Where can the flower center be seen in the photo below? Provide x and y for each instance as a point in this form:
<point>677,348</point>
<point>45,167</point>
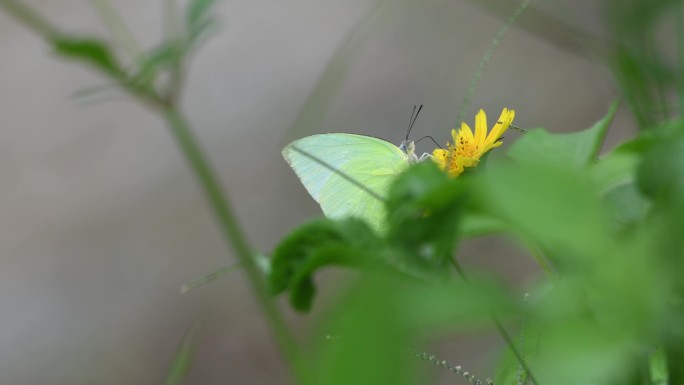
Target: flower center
<point>466,148</point>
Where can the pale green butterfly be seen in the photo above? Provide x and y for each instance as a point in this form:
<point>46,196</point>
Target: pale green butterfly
<point>348,174</point>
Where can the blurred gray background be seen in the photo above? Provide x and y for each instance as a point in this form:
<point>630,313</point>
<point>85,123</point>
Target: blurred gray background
<point>101,221</point>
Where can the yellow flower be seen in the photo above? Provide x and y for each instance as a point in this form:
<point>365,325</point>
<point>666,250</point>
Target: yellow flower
<point>468,147</point>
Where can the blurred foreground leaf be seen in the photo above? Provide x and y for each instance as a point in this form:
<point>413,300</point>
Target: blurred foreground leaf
<point>321,243</point>
<point>382,318</point>
<point>424,210</point>
<point>575,150</point>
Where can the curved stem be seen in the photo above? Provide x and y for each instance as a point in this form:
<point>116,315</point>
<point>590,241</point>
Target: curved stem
<point>29,18</point>
<point>232,231</point>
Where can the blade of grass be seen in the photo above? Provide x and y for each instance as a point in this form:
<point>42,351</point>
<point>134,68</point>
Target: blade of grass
<point>30,19</point>
<point>220,204</point>
<point>467,98</point>
<point>262,262</point>
<point>203,280</point>
<point>183,358</point>
<point>320,99</point>
<point>556,31</point>
<point>120,32</point>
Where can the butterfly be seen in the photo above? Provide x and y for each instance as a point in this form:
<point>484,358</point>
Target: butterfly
<point>349,175</point>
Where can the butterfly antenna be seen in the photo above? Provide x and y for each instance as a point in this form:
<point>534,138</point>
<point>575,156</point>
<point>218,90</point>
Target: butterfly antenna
<point>432,139</point>
<point>408,131</point>
<point>412,121</point>
<point>468,97</point>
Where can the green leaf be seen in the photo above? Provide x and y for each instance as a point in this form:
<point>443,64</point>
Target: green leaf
<point>320,243</point>
<point>574,150</point>
<point>475,224</point>
<point>661,173</point>
<point>92,51</point>
<point>381,318</point>
<point>424,210</point>
<point>619,166</point>
<point>551,205</point>
<point>616,168</point>
<point>184,356</point>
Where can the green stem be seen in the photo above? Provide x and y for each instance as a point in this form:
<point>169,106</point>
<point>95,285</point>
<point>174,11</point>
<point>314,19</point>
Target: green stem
<point>29,18</point>
<point>468,97</point>
<point>217,198</point>
<point>232,231</point>
<point>499,327</point>
<point>542,261</point>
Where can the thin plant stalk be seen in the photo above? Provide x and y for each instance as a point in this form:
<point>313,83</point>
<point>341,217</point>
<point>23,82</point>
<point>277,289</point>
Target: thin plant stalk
<point>217,197</point>
<point>232,230</point>
<point>499,327</point>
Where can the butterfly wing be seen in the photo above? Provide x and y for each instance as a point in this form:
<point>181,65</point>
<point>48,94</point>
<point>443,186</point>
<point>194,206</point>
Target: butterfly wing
<point>347,174</point>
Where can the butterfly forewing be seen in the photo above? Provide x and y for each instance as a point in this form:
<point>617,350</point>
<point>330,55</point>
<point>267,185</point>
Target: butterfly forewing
<point>347,174</point>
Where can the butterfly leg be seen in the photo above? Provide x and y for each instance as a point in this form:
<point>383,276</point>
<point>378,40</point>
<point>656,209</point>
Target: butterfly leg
<point>424,156</point>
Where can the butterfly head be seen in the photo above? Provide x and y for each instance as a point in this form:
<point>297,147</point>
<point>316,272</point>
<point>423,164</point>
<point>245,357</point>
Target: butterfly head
<point>408,147</point>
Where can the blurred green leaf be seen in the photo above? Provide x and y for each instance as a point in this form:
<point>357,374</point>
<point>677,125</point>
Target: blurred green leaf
<point>573,151</point>
<point>349,242</point>
<point>658,366</point>
<point>553,206</point>
<point>184,356</point>
<point>374,338</point>
<point>632,17</point>
<point>92,51</point>
<point>424,211</point>
<point>661,173</point>
<point>626,204</point>
<point>616,168</point>
<point>474,224</point>
<point>382,317</point>
<point>674,351</point>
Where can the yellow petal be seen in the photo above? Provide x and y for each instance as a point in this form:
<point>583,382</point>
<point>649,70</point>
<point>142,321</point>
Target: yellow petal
<point>454,135</point>
<point>439,152</point>
<point>505,120</point>
<point>465,133</point>
<point>439,156</point>
<point>480,128</point>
